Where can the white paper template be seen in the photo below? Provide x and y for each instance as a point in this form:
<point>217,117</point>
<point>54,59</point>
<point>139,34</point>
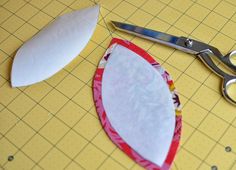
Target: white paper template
<point>53,47</point>
<point>138,104</point>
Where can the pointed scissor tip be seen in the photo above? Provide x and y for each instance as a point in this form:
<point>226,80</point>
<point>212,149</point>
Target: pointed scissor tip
<point>116,24</point>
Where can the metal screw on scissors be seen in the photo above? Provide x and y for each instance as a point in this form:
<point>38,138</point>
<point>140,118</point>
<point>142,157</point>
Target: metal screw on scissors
<point>188,43</point>
<point>204,51</point>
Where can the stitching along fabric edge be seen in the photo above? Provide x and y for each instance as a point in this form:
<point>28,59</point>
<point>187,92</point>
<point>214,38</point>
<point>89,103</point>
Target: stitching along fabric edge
<point>111,132</point>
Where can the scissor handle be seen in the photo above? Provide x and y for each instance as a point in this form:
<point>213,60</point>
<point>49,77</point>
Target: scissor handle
<point>226,83</point>
<point>228,61</point>
<point>225,59</point>
<point>227,79</point>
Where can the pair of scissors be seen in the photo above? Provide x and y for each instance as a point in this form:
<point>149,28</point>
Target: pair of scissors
<point>204,51</point>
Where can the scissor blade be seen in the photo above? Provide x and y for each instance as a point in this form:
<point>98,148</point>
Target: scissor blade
<point>157,36</point>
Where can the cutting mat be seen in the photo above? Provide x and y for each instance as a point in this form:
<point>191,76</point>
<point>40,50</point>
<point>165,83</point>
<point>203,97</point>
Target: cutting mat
<point>54,125</point>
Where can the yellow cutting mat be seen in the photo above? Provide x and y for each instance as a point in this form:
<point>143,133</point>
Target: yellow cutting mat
<point>53,124</point>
